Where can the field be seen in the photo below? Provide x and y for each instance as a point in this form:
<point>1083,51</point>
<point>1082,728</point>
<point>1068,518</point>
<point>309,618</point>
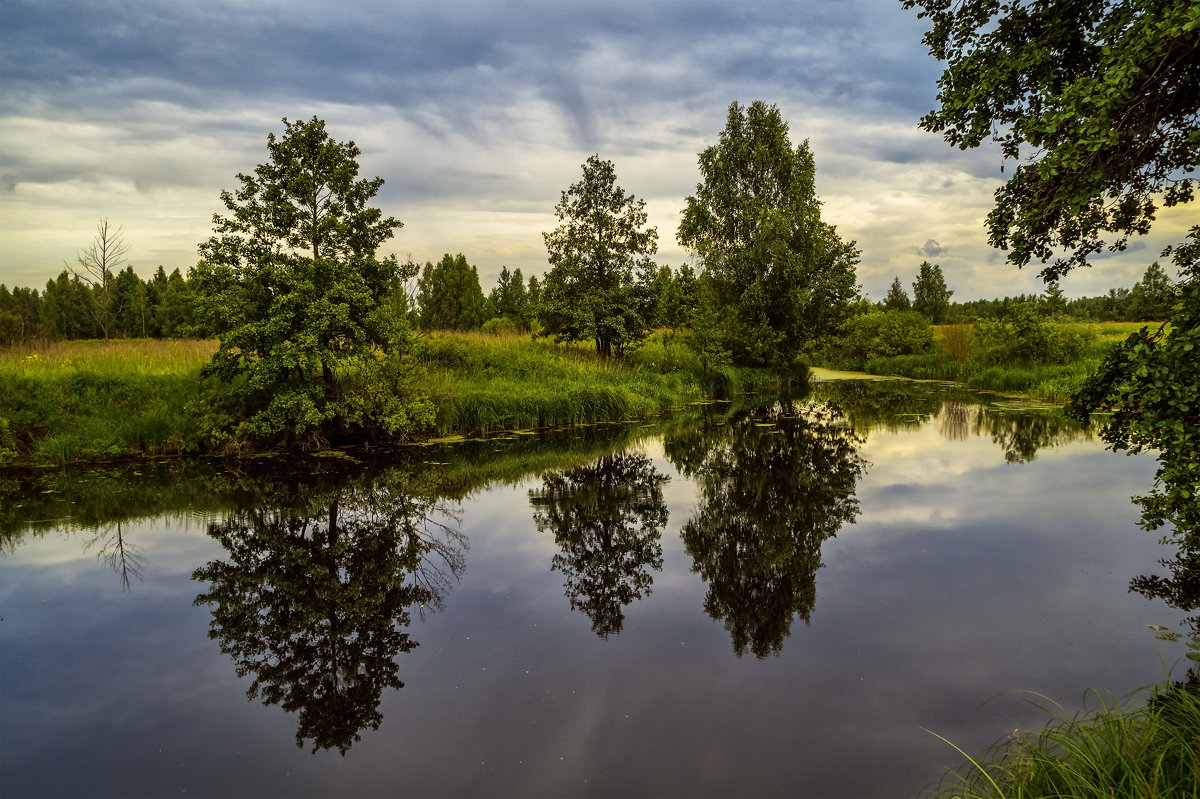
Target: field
<point>91,400</point>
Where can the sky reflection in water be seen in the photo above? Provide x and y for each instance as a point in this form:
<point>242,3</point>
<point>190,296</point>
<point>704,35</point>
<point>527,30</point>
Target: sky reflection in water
<point>729,602</point>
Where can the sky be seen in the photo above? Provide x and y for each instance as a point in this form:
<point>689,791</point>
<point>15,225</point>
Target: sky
<point>478,114</point>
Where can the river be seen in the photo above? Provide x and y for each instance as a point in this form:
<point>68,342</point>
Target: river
<point>751,598</point>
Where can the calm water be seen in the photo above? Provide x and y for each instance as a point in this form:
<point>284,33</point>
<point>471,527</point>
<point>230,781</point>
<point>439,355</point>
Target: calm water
<point>737,600</point>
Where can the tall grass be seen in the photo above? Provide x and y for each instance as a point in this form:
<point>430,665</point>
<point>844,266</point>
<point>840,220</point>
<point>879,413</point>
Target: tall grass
<point>485,382</point>
<point>80,400</point>
<point>117,357</point>
<point>1146,747</point>
<point>88,400</point>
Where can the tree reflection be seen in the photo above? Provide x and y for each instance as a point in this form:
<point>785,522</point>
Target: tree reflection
<point>775,484</point>
<point>120,555</point>
<point>607,518</point>
<point>314,599</point>
<point>1021,435</point>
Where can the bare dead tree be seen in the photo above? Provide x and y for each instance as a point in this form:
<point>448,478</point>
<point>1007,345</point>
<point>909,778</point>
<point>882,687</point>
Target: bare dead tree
<point>97,264</point>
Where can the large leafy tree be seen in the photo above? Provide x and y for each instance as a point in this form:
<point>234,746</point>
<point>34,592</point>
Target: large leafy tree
<point>1096,100</point>
<point>780,274</point>
<point>291,282</point>
<point>590,291</point>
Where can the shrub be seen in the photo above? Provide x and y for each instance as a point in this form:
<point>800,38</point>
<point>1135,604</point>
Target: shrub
<point>886,334</point>
<point>956,341</point>
<point>1024,336</point>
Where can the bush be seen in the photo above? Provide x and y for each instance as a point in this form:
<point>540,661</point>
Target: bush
<point>886,334</point>
<point>956,341</point>
<point>1024,336</point>
<point>500,326</point>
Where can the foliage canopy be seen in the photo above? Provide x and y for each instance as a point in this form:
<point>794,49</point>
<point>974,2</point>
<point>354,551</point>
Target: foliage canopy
<point>1098,101</point>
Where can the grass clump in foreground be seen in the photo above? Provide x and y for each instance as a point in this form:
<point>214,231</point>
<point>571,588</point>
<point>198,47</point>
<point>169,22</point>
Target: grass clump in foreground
<point>1144,749</point>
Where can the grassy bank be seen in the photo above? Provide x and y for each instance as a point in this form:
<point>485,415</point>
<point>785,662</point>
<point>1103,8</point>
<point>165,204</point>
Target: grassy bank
<point>90,400</point>
<point>1147,746</point>
<point>482,383</point>
<point>69,401</point>
<point>1053,371</point>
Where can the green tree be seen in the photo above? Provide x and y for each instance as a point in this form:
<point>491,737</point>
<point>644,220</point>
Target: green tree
<point>449,295</point>
<point>779,274</point>
<point>589,292</point>
<point>510,299</point>
<point>679,299</point>
<point>1053,301</point>
<point>930,295</point>
<point>533,307</point>
<point>66,310</point>
<point>175,315</point>
<point>292,284</point>
<point>1154,296</point>
<point>130,307</point>
<point>896,299</point>
<point>1098,102</point>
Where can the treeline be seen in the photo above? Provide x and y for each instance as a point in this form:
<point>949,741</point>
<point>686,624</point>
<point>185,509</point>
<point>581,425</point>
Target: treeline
<point>1152,299</point>
<point>447,296</point>
<point>450,297</point>
<point>71,308</point>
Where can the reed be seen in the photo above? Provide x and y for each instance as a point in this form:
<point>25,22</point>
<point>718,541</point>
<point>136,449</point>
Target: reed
<point>1147,746</point>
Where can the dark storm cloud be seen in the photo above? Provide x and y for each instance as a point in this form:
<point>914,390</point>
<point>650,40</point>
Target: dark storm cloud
<point>457,55</point>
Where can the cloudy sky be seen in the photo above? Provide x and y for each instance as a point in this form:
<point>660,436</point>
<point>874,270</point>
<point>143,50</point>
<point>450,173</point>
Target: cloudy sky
<point>477,114</point>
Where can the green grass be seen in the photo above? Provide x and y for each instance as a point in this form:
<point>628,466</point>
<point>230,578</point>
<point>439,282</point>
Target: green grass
<point>95,401</point>
<point>1147,746</point>
<point>485,383</point>
<point>92,400</point>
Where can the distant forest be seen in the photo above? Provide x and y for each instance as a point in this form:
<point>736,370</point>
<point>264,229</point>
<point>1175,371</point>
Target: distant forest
<point>448,296</point>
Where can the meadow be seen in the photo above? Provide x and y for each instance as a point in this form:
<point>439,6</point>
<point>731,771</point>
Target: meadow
<point>76,401</point>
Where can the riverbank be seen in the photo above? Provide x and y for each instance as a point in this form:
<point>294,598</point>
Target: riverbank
<point>976,356</point>
<point>89,401</point>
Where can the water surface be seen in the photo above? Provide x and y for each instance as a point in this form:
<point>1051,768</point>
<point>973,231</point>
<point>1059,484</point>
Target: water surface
<point>741,599</point>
